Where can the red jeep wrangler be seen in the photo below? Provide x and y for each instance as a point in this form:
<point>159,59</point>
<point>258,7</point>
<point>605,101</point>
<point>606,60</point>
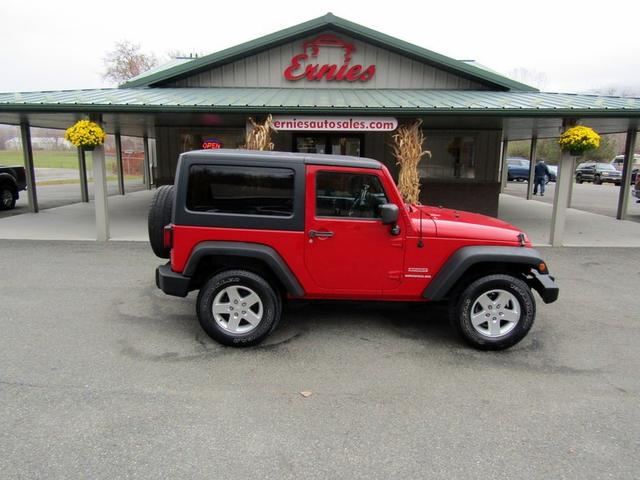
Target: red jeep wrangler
<point>251,229</point>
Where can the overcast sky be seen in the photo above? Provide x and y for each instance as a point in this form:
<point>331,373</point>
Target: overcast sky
<point>52,45</point>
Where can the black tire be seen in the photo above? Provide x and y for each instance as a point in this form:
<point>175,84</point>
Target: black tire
<point>160,216</point>
<point>271,307</point>
<point>461,306</point>
<point>8,196</point>
<point>597,180</point>
<point>579,179</point>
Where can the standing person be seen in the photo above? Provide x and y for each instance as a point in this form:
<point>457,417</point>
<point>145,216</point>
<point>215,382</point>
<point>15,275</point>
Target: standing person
<point>540,176</point>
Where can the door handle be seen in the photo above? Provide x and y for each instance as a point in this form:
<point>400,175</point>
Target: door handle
<point>320,234</point>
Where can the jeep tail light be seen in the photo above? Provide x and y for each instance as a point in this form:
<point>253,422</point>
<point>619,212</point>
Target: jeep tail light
<point>168,236</point>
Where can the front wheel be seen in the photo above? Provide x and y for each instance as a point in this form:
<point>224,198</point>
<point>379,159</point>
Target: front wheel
<point>597,180</point>
<point>579,179</point>
<point>238,308</point>
<point>8,197</point>
<point>494,312</point>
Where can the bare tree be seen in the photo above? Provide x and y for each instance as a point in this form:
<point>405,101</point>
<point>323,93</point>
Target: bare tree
<point>126,61</point>
<point>530,77</point>
<point>617,90</point>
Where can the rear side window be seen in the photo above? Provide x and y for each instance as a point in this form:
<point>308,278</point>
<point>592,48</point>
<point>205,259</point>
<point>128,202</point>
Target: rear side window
<point>354,195</point>
<point>240,190</point>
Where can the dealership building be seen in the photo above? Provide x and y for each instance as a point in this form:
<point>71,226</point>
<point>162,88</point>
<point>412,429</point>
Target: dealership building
<point>333,86</point>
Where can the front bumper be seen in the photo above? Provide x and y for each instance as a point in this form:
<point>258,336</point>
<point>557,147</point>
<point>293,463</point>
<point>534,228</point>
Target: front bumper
<point>545,285</point>
<point>611,179</point>
<point>170,282</point>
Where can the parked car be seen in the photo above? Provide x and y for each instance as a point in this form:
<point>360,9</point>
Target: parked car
<point>517,169</point>
<point>618,162</point>
<point>598,173</point>
<point>12,181</point>
<point>251,230</point>
<point>553,173</point>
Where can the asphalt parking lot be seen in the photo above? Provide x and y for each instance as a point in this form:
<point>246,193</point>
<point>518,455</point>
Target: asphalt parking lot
<point>102,376</point>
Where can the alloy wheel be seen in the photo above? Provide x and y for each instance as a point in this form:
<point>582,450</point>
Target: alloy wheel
<point>495,313</point>
<point>237,309</point>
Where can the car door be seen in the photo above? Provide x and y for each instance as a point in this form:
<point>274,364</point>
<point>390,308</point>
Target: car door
<point>348,251</point>
<point>590,171</point>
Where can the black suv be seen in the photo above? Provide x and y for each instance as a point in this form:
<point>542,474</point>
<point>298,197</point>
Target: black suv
<point>12,181</point>
<point>598,173</point>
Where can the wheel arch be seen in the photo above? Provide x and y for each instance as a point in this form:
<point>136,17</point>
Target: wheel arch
<point>210,257</point>
<point>472,262</point>
<point>8,179</point>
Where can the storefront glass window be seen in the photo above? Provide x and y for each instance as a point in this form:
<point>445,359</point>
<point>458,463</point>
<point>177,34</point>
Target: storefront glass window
<point>334,144</point>
<point>452,156</point>
<point>211,140</point>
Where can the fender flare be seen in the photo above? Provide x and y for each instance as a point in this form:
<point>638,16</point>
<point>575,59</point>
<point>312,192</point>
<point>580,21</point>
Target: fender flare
<point>466,257</point>
<point>248,250</point>
<point>6,177</point>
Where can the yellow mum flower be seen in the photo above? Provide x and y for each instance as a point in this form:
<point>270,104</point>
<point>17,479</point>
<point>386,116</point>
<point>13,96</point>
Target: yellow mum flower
<point>85,133</point>
<point>579,139</point>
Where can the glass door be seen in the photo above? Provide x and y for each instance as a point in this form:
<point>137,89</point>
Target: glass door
<point>335,144</point>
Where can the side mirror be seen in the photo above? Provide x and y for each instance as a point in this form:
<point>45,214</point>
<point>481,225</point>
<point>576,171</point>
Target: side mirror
<point>389,213</point>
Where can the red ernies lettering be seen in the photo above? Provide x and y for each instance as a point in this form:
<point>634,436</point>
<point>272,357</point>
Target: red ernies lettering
<point>299,69</point>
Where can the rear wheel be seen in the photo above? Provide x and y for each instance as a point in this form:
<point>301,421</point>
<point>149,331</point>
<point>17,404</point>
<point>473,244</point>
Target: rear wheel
<point>8,197</point>
<point>579,178</point>
<point>494,312</point>
<point>597,180</point>
<point>159,217</point>
<point>238,308</point>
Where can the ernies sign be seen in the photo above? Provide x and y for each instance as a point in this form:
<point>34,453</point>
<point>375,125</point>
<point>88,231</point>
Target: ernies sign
<point>335,124</point>
<point>300,67</point>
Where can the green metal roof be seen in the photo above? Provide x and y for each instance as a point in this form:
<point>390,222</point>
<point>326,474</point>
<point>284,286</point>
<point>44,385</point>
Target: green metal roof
<point>160,68</point>
<point>329,21</point>
<point>321,100</point>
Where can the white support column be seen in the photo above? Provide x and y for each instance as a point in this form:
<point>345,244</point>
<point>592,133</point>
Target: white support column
<point>573,180</point>
<point>532,165</point>
<point>101,205</point>
<point>119,169</point>
<point>561,199</point>
<point>504,175</point>
<point>623,198</point>
<point>30,172</point>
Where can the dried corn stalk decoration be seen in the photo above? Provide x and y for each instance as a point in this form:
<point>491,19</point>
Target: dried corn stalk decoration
<point>407,148</point>
<point>259,137</point>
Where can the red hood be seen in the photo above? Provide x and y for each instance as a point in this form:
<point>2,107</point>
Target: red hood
<point>460,224</point>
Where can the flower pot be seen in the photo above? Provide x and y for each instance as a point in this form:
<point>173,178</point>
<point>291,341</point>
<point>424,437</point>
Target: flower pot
<point>88,148</point>
<point>575,153</point>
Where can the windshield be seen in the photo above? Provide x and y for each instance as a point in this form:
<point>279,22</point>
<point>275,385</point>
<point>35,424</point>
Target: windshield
<point>606,166</point>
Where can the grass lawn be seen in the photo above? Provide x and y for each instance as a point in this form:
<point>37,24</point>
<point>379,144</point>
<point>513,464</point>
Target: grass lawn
<point>71,181</point>
<point>44,158</point>
<point>50,159</point>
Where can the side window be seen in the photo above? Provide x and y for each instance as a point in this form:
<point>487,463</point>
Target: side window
<point>353,195</point>
<point>240,190</point>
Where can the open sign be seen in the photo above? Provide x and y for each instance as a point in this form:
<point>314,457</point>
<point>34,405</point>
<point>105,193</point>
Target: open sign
<point>211,144</point>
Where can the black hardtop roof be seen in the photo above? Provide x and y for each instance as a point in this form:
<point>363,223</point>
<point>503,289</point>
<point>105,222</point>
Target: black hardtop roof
<point>267,156</point>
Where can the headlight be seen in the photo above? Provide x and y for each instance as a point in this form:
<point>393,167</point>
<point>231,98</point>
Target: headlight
<point>605,174</point>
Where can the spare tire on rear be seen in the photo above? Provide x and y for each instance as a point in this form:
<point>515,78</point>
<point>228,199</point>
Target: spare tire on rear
<point>159,217</point>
